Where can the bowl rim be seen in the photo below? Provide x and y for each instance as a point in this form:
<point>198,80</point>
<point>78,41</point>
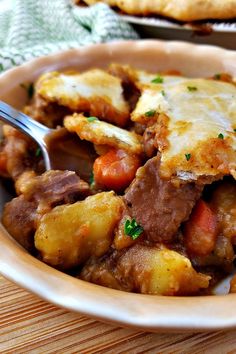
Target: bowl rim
<point>147,312</point>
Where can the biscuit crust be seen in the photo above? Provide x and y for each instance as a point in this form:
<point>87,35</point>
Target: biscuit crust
<point>182,10</point>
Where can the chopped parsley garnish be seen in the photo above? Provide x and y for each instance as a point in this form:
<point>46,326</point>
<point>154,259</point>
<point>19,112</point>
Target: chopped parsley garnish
<point>192,88</point>
<point>221,136</point>
<point>1,67</point>
<point>132,229</point>
<point>150,113</point>
<point>163,93</point>
<point>91,179</point>
<point>217,76</point>
<point>29,88</point>
<point>91,119</point>
<point>38,152</point>
<point>158,80</point>
<point>188,157</point>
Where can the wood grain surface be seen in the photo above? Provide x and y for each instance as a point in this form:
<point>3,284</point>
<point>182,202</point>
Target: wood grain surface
<point>30,325</point>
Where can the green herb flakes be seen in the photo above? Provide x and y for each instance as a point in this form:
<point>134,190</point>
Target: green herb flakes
<point>29,89</point>
<point>91,119</point>
<point>221,136</point>
<point>132,229</point>
<point>158,80</point>
<point>150,113</point>
<point>188,157</point>
<point>163,93</point>
<point>217,76</point>
<point>91,179</point>
<point>192,88</point>
<point>38,152</point>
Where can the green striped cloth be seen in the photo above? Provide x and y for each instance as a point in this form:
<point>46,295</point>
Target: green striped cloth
<point>32,28</point>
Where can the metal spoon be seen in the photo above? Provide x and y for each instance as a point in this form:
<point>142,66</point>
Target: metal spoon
<point>70,153</point>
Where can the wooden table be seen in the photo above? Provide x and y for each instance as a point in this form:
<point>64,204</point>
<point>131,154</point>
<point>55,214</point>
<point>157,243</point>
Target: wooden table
<point>30,325</point>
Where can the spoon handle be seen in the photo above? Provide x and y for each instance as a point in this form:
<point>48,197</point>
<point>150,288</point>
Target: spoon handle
<point>27,125</point>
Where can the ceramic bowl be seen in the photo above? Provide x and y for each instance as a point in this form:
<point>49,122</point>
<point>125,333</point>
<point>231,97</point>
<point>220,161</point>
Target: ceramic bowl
<point>147,312</point>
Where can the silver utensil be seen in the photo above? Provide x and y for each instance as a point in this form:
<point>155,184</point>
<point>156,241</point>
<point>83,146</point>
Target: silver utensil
<point>61,150</point>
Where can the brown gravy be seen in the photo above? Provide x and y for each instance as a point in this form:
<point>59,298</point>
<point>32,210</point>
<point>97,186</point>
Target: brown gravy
<point>68,152</point>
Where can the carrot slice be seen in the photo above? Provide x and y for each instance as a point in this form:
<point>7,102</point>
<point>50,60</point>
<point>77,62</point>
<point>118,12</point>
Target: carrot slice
<point>200,231</point>
<point>116,169</point>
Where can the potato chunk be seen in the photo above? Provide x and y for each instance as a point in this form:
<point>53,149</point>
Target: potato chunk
<point>69,234</point>
<point>163,271</point>
<point>147,270</point>
<point>102,133</point>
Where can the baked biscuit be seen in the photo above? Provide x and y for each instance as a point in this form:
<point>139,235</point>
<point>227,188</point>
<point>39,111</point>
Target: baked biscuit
<point>182,10</point>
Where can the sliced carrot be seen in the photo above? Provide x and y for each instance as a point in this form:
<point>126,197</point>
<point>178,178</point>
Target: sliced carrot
<point>116,169</point>
<point>200,231</point>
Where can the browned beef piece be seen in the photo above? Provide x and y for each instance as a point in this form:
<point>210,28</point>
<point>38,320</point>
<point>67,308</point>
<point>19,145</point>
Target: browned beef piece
<point>154,137</point>
<point>17,149</point>
<point>48,113</point>
<point>18,218</point>
<point>105,271</point>
<point>130,90</point>
<point>39,195</point>
<point>149,145</point>
<point>54,188</point>
<point>159,205</point>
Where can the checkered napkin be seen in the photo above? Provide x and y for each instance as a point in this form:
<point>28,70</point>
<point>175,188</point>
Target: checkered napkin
<point>32,28</point>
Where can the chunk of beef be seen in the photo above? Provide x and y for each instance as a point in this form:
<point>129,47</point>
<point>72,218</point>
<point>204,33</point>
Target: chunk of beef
<point>39,194</point>
<point>50,114</point>
<point>18,218</point>
<point>53,188</point>
<point>16,149</point>
<point>128,79</point>
<point>103,271</point>
<point>159,205</point>
<point>149,145</point>
<point>154,137</point>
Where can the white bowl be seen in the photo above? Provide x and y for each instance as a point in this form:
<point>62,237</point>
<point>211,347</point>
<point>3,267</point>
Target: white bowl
<point>146,312</point>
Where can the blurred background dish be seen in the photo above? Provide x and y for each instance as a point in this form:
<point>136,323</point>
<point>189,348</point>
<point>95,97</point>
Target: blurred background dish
<point>187,23</point>
<point>182,10</point>
<point>205,32</point>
